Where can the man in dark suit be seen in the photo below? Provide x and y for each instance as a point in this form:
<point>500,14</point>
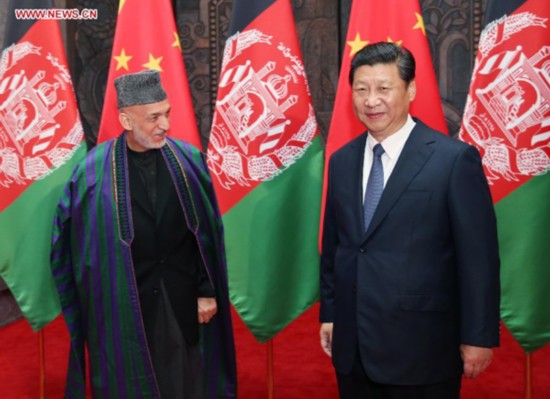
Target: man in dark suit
<point>410,267</point>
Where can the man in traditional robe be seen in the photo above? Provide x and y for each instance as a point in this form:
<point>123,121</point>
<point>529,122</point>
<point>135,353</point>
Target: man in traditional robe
<point>138,259</point>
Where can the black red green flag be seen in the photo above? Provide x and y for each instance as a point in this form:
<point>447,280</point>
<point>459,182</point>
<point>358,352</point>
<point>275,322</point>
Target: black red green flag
<point>41,139</point>
<point>265,159</point>
<point>507,117</point>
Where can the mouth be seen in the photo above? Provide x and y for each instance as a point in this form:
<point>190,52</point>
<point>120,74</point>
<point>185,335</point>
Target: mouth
<point>374,115</point>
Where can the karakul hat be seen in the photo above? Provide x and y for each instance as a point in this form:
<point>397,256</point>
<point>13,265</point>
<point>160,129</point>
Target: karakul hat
<point>139,88</point>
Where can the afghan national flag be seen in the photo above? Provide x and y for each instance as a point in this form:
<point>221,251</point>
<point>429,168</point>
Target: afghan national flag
<point>146,38</point>
<point>41,139</point>
<point>507,117</point>
<point>265,158</point>
<point>395,21</point>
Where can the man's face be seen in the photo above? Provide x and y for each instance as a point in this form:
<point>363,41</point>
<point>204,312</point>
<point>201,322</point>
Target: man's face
<point>381,99</point>
<point>147,125</point>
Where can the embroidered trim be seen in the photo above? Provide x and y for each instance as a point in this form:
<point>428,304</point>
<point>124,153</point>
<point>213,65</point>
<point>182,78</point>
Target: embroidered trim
<point>182,183</point>
<point>120,191</point>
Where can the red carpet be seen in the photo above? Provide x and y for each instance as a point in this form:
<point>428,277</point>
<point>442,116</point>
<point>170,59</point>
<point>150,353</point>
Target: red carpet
<point>301,369</point>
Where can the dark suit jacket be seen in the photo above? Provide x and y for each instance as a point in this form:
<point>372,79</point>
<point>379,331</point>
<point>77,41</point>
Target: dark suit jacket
<point>424,278</point>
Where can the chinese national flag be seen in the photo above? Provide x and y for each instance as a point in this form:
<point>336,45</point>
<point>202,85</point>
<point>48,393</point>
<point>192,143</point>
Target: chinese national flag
<point>146,38</point>
<point>374,21</point>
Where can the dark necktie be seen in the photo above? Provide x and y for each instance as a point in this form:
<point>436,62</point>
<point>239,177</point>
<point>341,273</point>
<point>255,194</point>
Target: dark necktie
<point>375,185</point>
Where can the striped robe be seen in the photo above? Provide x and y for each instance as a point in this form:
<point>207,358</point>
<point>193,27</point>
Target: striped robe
<point>92,266</point>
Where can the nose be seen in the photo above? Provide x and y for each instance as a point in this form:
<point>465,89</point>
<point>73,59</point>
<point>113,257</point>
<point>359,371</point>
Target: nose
<point>372,99</point>
<point>164,123</point>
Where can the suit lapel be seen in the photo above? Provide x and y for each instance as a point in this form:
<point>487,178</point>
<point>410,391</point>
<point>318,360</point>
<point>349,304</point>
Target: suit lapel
<point>355,176</point>
<point>414,156</point>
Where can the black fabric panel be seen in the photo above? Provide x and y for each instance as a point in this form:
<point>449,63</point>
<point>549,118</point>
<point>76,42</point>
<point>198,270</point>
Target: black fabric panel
<point>499,8</point>
<point>16,28</point>
<point>246,11</point>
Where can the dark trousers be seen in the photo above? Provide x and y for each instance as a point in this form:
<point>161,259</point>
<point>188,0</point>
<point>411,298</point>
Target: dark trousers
<point>357,385</point>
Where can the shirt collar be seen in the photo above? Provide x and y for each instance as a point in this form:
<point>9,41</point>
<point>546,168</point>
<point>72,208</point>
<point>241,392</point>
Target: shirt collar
<point>395,142</point>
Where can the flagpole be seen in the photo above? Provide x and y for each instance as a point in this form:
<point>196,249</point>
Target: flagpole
<point>270,378</point>
<point>42,364</point>
<point>528,376</point>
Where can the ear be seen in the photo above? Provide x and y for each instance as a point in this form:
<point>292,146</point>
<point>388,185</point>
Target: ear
<point>411,90</point>
<point>125,120</point>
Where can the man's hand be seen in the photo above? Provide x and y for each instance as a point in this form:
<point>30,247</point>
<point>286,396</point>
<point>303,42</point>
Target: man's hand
<point>476,359</point>
<point>207,309</point>
<point>326,338</point>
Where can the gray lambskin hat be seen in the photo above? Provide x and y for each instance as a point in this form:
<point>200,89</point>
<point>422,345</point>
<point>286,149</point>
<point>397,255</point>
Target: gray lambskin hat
<point>139,88</point>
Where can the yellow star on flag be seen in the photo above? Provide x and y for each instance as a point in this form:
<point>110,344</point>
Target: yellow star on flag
<point>176,41</point>
<point>420,23</point>
<point>153,63</point>
<point>122,60</point>
<point>356,44</point>
<point>398,42</point>
<point>120,5</point>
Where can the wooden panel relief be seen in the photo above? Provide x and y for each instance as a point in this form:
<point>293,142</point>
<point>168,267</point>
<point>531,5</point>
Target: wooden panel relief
<point>3,16</point>
<point>194,31</point>
<point>453,28</point>
<point>318,33</point>
<point>92,45</point>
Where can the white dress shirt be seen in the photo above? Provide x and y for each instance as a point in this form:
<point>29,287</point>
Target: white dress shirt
<point>393,145</point>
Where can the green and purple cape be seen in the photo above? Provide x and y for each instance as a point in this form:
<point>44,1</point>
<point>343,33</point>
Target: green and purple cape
<point>94,274</point>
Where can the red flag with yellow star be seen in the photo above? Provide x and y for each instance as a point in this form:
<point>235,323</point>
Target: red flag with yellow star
<point>146,38</point>
<point>374,21</point>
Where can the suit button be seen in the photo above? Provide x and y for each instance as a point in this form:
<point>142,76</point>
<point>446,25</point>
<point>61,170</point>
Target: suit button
<point>354,289</point>
<point>362,250</point>
<point>161,261</point>
<point>155,291</point>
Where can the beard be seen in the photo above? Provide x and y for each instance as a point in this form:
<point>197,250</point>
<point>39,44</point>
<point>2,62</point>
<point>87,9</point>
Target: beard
<point>147,142</point>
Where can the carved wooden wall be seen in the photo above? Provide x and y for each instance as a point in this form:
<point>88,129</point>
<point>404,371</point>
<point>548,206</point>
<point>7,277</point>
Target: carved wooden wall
<point>452,25</point>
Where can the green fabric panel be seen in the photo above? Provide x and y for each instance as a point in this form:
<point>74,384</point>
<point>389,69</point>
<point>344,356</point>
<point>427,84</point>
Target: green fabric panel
<point>524,229</point>
<point>25,237</point>
<point>272,247</point>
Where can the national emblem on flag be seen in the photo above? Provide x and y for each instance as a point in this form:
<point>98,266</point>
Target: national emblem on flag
<point>507,117</point>
<point>41,139</point>
<point>260,127</point>
<point>265,159</point>
<point>39,128</point>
